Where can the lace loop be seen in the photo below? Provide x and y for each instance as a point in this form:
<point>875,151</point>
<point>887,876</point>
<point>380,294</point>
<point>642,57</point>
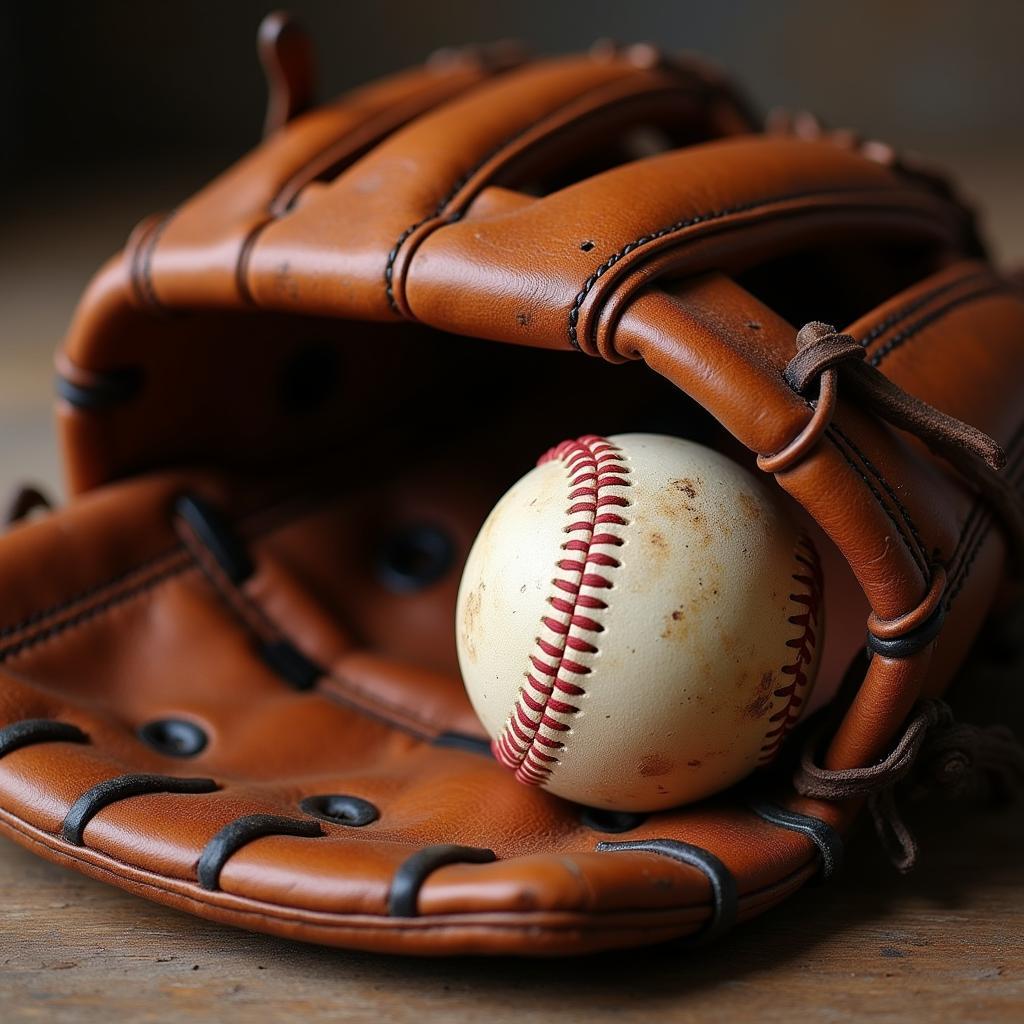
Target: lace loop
<point>936,754</point>
<point>822,352</point>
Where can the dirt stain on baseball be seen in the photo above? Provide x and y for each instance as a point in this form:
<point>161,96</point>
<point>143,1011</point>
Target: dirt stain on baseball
<point>684,502</point>
<point>469,619</point>
<point>655,765</point>
<point>676,625</point>
<point>689,488</point>
<point>658,540</point>
<point>762,702</point>
<point>750,505</point>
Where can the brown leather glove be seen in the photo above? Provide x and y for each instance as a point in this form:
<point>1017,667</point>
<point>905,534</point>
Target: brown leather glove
<point>228,675</point>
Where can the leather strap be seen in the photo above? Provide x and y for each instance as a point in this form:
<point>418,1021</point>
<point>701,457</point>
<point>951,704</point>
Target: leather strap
<point>232,837</point>
<point>89,804</point>
<point>724,898</point>
<point>30,731</point>
<point>409,878</point>
<point>828,841</point>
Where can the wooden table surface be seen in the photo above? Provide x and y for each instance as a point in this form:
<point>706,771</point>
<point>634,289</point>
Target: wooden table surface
<point>944,944</point>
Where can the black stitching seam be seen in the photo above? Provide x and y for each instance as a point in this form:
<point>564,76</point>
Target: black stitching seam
<point>213,572</point>
<point>690,91</point>
<point>974,521</point>
<point>987,521</point>
<point>91,612</point>
<point>700,218</point>
<point>188,564</point>
<point>84,595</point>
<point>921,301</point>
<point>381,710</point>
<point>917,550</point>
<point>884,351</point>
<point>254,522</point>
<point>979,523</point>
<point>974,517</point>
<point>905,335</point>
<point>971,552</point>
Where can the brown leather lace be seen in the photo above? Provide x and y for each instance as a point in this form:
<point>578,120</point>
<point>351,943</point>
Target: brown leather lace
<point>823,351</point>
<point>935,754</point>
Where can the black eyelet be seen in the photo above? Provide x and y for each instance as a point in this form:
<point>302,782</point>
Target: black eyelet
<point>611,821</point>
<point>174,737</point>
<point>414,557</point>
<point>309,379</point>
<point>340,809</point>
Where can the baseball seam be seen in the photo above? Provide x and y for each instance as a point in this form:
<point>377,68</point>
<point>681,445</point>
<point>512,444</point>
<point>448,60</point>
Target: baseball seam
<point>533,735</point>
<point>793,694</point>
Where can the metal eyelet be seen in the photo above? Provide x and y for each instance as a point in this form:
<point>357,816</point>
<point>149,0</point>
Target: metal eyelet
<point>340,809</point>
<point>174,737</point>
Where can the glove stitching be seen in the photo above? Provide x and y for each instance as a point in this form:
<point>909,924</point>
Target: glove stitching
<point>693,221</point>
<point>84,595</point>
<point>922,549</point>
<point>905,335</point>
<point>834,435</point>
<point>263,629</point>
<point>91,612</point>
<point>876,358</point>
<point>975,520</point>
<point>986,522</point>
<point>921,302</point>
<point>689,91</point>
<point>356,697</point>
<point>273,518</point>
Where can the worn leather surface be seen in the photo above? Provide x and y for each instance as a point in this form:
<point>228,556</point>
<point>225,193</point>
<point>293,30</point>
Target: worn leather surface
<point>346,348</point>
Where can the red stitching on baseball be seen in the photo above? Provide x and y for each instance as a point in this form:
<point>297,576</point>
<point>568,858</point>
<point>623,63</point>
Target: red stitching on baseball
<point>803,644</point>
<point>593,465</point>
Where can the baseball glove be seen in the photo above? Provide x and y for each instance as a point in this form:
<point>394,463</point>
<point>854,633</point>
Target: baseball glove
<point>229,680</point>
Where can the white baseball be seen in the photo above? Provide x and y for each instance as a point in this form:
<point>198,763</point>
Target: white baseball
<point>639,622</point>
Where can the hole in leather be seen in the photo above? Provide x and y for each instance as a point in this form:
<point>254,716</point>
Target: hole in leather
<point>340,809</point>
<point>586,246</point>
<point>309,379</point>
<point>611,821</point>
<point>174,737</point>
<point>414,557</point>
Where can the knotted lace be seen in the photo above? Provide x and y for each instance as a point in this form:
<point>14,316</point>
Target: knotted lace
<point>822,351</point>
<point>935,755</point>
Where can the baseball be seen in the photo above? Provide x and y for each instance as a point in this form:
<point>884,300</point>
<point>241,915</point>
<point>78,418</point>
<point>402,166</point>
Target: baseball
<point>639,622</point>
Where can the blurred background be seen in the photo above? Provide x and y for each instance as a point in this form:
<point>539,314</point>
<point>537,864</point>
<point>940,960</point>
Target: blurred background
<point>111,109</point>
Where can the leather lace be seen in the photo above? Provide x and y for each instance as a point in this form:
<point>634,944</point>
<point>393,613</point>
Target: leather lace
<point>935,755</point>
<point>822,350</point>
